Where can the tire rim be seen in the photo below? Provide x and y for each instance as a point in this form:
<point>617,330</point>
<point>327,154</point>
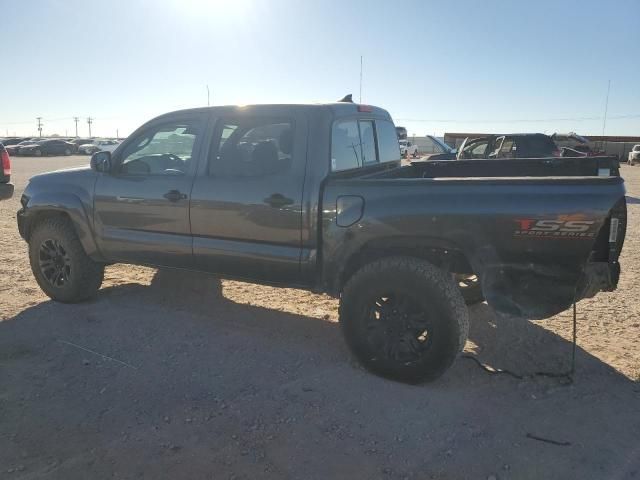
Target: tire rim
<point>398,328</point>
<point>54,262</point>
<point>466,281</point>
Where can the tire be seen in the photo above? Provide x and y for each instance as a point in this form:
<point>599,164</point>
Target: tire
<point>404,319</point>
<point>470,288</point>
<point>37,152</point>
<point>67,152</point>
<point>60,265</point>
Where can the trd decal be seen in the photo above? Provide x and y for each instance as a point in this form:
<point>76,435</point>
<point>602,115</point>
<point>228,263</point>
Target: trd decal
<point>561,228</point>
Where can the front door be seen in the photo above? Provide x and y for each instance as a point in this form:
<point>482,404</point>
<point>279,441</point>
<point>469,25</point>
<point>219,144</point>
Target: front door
<point>142,206</point>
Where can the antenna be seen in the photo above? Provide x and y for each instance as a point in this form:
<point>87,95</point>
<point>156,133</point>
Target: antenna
<point>39,125</point>
<point>360,79</point>
<point>606,107</point>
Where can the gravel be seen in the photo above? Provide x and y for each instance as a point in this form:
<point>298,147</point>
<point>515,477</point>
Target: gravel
<point>202,378</point>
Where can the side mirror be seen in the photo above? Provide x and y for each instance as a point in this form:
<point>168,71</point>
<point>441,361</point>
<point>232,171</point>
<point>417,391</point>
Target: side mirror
<point>101,162</point>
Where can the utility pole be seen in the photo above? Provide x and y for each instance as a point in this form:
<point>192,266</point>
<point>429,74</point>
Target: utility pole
<point>208,104</point>
<point>75,119</point>
<point>39,125</point>
<point>89,121</point>
<point>117,135</point>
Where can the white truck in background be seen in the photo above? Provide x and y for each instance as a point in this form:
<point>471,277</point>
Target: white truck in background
<point>634,155</point>
<point>406,147</point>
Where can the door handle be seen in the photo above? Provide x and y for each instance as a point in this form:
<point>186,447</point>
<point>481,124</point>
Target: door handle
<point>174,195</point>
<point>130,199</point>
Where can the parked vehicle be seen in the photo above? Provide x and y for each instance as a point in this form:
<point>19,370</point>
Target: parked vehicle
<point>98,145</point>
<point>14,149</point>
<point>517,145</point>
<point>441,151</point>
<point>46,147</point>
<point>315,197</point>
<point>6,187</point>
<point>571,140</point>
<point>13,141</point>
<point>408,149</point>
<point>634,155</point>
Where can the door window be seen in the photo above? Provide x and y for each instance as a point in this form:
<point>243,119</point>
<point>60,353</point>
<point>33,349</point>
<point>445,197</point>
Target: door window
<point>368,142</point>
<point>163,150</point>
<point>345,146</point>
<point>252,147</point>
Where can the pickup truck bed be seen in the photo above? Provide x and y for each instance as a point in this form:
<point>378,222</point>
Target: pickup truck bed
<point>530,239</point>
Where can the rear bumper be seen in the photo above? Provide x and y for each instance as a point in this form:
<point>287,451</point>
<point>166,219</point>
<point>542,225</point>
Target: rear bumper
<point>6,191</point>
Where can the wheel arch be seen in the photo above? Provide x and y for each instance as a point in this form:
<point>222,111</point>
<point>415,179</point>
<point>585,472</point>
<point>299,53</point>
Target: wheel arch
<point>66,205</point>
<point>442,253</point>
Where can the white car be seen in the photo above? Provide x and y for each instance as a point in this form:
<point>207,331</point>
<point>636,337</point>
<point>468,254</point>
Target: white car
<point>98,146</point>
<point>634,155</point>
<point>407,148</point>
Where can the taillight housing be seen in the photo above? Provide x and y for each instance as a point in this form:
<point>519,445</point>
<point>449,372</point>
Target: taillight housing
<point>6,163</point>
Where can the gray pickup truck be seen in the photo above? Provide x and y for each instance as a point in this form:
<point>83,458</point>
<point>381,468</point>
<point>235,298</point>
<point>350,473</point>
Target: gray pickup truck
<point>316,197</point>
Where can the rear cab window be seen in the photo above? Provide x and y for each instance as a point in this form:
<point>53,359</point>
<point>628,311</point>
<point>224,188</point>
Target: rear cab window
<point>360,142</point>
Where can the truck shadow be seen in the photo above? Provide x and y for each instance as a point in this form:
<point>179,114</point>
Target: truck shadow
<point>175,365</point>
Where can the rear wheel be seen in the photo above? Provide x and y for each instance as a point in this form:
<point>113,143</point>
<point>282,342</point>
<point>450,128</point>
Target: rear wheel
<point>59,263</point>
<point>37,152</point>
<point>404,319</point>
<point>67,152</point>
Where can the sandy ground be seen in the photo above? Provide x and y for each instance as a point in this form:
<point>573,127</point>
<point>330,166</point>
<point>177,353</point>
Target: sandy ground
<point>178,375</point>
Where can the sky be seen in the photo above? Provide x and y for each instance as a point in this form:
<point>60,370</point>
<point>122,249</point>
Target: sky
<point>494,66</point>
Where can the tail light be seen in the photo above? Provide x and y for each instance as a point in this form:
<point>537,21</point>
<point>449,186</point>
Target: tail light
<point>6,163</point>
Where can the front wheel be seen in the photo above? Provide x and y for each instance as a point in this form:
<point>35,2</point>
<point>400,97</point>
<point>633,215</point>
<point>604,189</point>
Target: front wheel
<point>60,265</point>
<point>404,319</point>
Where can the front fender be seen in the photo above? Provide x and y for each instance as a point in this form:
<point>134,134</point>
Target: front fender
<point>45,203</point>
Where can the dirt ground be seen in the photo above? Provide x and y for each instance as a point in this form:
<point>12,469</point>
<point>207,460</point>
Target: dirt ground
<point>173,375</point>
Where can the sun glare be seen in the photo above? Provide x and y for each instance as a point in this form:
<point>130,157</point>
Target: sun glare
<point>226,9</point>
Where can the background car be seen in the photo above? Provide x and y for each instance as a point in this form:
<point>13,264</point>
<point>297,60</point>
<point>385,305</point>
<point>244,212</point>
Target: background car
<point>14,149</point>
<point>98,146</point>
<point>13,140</point>
<point>516,145</point>
<point>46,147</point>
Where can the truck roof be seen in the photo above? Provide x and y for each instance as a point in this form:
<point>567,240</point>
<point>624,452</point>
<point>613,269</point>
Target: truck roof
<point>336,108</point>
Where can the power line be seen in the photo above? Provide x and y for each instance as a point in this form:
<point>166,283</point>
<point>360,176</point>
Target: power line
<point>521,120</point>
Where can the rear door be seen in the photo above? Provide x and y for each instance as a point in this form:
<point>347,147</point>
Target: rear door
<point>142,207</point>
<point>246,205</point>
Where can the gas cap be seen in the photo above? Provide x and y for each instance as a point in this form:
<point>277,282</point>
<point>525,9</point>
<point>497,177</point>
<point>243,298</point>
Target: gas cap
<point>349,210</point>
